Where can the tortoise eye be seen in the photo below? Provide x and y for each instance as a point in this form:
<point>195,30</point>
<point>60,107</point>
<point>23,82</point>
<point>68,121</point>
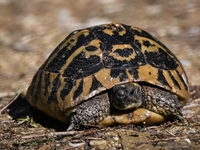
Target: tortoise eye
<point>121,93</point>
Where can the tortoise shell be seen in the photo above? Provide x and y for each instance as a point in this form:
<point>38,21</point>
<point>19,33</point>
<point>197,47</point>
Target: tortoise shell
<point>95,59</point>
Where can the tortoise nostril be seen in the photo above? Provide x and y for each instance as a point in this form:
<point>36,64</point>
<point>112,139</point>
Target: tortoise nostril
<point>132,92</point>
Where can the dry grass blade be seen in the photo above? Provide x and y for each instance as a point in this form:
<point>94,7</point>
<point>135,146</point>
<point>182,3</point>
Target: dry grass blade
<point>76,145</point>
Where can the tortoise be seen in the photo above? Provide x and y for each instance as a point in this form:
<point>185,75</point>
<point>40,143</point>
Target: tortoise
<point>110,74</point>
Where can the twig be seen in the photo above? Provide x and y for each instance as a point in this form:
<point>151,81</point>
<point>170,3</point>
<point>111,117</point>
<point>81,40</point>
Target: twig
<point>54,134</point>
<point>93,138</point>
<point>170,133</point>
<point>122,147</point>
<point>181,131</point>
<point>152,127</point>
<point>84,133</point>
<point>77,144</point>
<point>171,123</point>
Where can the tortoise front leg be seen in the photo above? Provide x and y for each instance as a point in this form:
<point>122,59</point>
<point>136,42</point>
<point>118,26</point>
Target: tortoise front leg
<point>91,111</point>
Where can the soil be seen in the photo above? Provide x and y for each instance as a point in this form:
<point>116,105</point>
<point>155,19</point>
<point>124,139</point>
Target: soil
<point>29,32</point>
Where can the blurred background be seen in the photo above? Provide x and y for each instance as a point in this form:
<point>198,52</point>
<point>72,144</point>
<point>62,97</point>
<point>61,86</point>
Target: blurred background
<point>31,29</point>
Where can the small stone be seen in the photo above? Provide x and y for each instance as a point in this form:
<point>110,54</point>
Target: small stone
<point>112,142</point>
<point>188,141</point>
<point>99,144</point>
<point>181,144</point>
<point>116,138</point>
<point>116,145</point>
<point>191,131</point>
<point>108,134</point>
<point>100,133</point>
<point>152,131</point>
<point>123,130</point>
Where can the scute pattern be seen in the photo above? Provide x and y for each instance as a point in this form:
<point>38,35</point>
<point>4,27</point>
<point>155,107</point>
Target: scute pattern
<point>69,83</point>
<point>174,80</point>
<point>156,60</point>
<point>55,85</point>
<point>183,78</point>
<point>78,68</point>
<point>95,84</point>
<point>94,59</point>
<point>161,78</point>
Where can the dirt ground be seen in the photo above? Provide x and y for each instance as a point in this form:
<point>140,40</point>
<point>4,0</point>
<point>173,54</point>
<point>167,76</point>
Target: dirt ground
<point>29,32</point>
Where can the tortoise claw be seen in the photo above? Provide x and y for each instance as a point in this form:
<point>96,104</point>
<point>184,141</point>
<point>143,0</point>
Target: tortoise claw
<point>71,127</point>
<point>179,117</point>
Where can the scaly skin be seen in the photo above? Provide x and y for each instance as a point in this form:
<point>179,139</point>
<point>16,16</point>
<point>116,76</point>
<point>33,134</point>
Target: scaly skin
<point>161,102</point>
<point>91,112</point>
<point>157,104</point>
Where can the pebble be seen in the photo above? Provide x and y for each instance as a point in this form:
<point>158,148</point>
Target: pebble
<point>188,141</point>
<point>189,106</point>
<point>175,130</point>
<point>191,131</point>
<point>116,138</point>
<point>100,144</point>
<point>152,131</point>
<point>123,130</point>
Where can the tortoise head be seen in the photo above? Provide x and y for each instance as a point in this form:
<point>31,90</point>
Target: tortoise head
<point>126,96</point>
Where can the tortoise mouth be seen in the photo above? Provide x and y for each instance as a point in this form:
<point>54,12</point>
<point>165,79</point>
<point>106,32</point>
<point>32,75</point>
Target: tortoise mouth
<point>128,104</point>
